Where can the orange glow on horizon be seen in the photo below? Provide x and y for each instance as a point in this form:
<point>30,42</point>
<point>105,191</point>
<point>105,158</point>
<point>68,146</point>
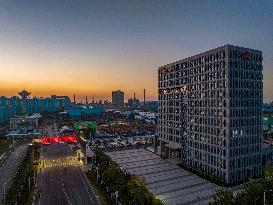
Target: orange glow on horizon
<point>44,76</point>
<point>81,93</point>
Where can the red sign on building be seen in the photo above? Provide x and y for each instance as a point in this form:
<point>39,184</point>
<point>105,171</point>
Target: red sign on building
<point>246,56</point>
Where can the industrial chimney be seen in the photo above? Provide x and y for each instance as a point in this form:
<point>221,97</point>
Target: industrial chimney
<point>144,98</point>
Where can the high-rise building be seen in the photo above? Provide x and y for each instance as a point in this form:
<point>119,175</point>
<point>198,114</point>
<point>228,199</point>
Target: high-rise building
<point>118,98</point>
<point>24,96</point>
<point>210,112</point>
<point>9,107</point>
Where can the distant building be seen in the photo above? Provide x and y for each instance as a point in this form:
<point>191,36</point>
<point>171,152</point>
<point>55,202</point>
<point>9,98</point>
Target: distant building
<point>24,97</point>
<point>62,101</point>
<point>133,103</point>
<point>152,105</point>
<point>9,107</point>
<point>210,112</point>
<point>267,108</point>
<point>80,112</point>
<point>118,98</point>
<point>25,122</point>
<point>147,116</point>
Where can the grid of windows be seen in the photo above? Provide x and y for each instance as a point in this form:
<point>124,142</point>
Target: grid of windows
<point>209,106</point>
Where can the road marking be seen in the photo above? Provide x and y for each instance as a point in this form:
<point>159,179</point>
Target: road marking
<point>67,197</point>
<point>91,187</point>
<point>84,182</point>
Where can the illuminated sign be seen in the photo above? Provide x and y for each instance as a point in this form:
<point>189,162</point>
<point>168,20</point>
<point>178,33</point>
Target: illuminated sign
<point>246,56</point>
<point>59,139</point>
<point>164,70</point>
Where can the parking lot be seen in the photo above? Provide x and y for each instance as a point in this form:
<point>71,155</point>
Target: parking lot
<point>168,182</point>
<point>122,142</point>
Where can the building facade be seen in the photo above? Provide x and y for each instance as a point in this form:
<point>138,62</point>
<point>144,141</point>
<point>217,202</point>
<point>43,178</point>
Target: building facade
<point>9,107</point>
<point>25,122</point>
<point>210,112</point>
<point>81,112</point>
<point>118,98</point>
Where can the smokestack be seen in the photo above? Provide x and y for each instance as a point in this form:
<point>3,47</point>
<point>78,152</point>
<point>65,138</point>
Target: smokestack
<point>74,99</point>
<point>134,101</point>
<point>86,101</point>
<point>144,99</point>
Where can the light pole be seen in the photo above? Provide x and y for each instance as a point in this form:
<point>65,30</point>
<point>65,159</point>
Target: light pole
<point>4,192</point>
<point>264,197</point>
<point>29,183</point>
<point>116,193</point>
<point>97,174</point>
<point>265,193</point>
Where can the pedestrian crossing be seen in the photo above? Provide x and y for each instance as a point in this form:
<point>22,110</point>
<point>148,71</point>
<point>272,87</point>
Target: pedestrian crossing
<point>63,164</point>
<point>66,196</point>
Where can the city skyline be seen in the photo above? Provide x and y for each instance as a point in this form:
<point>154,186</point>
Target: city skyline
<point>92,48</point>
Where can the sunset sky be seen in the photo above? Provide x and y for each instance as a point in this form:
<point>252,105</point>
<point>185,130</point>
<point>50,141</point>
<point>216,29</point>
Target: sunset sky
<point>93,47</point>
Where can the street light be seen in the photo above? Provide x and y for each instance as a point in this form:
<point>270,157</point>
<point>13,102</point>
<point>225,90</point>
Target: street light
<point>29,183</point>
<point>264,195</point>
<point>4,185</point>
<point>116,193</point>
<point>97,174</point>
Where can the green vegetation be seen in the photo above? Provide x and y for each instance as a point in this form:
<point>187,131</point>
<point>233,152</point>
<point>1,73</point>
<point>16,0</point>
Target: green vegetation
<point>252,194</point>
<point>99,189</point>
<point>23,182</point>
<point>131,190</point>
<point>4,146</point>
<point>20,114</point>
<point>98,142</point>
<point>85,127</point>
<point>268,172</point>
<point>268,135</point>
<point>36,154</point>
<point>36,158</point>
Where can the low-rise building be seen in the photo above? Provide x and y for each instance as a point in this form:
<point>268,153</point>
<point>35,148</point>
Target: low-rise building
<point>25,122</point>
<point>84,111</point>
<point>147,116</point>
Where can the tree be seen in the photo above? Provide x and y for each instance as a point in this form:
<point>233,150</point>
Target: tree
<point>87,127</point>
<point>98,142</point>
<point>137,192</point>
<point>252,194</point>
<point>131,190</point>
<point>268,171</point>
<point>223,197</point>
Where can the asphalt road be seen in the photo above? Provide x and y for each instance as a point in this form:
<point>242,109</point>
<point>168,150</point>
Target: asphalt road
<point>61,179</point>
<point>8,169</point>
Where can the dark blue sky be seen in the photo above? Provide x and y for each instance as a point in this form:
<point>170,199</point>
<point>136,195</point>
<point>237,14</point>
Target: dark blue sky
<point>97,46</point>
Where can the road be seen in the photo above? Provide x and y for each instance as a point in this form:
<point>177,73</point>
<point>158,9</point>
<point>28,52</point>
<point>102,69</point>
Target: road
<point>60,178</point>
<point>8,169</point>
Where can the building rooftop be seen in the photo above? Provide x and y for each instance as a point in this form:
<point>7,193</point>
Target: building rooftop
<point>207,52</point>
<point>168,182</point>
